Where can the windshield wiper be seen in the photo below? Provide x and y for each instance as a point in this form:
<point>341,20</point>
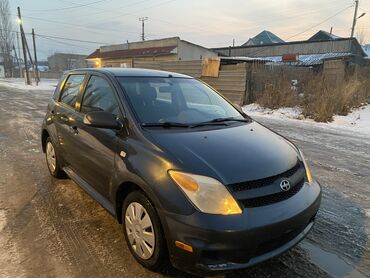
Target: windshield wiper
<point>219,121</point>
<point>165,125</point>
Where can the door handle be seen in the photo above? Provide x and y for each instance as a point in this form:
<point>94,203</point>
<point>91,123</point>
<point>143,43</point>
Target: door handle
<point>73,129</point>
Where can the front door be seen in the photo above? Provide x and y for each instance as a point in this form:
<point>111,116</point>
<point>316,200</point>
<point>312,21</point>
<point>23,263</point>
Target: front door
<point>97,146</point>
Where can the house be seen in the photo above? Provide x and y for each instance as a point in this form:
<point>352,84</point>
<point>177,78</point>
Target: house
<point>323,36</point>
<point>366,48</point>
<point>59,62</point>
<point>168,49</point>
<point>265,37</point>
<point>311,52</point>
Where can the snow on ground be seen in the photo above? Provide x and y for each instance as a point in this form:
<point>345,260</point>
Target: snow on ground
<point>357,121</point>
<point>19,83</point>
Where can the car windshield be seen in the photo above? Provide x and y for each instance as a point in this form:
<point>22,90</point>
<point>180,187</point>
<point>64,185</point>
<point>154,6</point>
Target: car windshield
<point>176,100</point>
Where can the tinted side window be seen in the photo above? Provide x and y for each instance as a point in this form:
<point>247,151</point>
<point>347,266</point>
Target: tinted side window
<point>71,88</point>
<point>99,97</point>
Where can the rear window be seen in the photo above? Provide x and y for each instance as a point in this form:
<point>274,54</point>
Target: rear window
<point>71,89</point>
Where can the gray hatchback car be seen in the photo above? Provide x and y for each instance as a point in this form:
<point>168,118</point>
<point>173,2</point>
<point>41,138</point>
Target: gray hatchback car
<point>191,178</point>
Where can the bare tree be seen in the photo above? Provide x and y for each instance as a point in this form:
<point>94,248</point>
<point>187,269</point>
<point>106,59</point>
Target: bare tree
<point>6,37</point>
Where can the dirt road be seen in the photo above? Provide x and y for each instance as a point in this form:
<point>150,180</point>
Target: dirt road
<point>51,228</point>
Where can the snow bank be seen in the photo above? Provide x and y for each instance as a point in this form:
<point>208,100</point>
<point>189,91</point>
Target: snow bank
<point>357,121</point>
<point>19,83</point>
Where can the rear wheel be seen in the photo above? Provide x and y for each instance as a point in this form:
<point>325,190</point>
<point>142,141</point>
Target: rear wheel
<point>143,231</point>
<point>52,160</point>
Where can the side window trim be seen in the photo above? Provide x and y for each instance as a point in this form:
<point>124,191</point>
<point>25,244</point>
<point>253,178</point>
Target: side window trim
<point>61,89</point>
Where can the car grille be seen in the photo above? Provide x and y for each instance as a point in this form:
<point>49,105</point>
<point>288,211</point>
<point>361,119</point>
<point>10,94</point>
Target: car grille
<point>263,182</point>
<point>273,198</point>
<point>296,175</point>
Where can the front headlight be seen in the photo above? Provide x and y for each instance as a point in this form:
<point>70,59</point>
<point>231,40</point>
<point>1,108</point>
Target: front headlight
<point>308,172</point>
<point>207,194</point>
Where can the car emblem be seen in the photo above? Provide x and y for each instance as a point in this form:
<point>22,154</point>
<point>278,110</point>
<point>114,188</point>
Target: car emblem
<point>285,185</point>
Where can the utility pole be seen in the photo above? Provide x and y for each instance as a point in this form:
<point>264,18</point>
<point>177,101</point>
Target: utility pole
<point>23,46</point>
<point>30,56</point>
<point>354,19</point>
<point>19,55</point>
<point>35,56</point>
<point>142,19</point>
<point>233,42</point>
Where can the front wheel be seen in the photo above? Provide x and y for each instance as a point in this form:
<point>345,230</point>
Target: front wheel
<point>143,231</point>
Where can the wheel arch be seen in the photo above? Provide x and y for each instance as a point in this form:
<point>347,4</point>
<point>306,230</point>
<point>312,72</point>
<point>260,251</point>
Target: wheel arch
<point>122,191</point>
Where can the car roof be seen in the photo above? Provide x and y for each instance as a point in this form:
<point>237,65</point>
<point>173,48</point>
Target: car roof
<point>134,72</point>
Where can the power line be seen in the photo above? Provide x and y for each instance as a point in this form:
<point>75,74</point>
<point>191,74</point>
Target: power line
<point>321,22</point>
<point>61,38</point>
<point>62,42</point>
<point>72,25</point>
<point>100,10</point>
<point>308,29</point>
<point>68,8</point>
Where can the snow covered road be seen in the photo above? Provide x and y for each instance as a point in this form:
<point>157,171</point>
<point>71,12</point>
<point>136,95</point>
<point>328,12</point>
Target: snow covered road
<point>52,228</point>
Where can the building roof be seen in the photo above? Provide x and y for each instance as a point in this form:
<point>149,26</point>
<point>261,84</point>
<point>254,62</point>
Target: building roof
<point>67,55</point>
<point>134,72</point>
<point>303,60</point>
<point>356,46</point>
<point>323,36</point>
<point>130,53</point>
<point>265,37</point>
<point>308,60</point>
<point>366,48</point>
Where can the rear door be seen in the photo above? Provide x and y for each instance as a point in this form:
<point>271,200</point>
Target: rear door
<point>97,146</point>
<point>65,115</point>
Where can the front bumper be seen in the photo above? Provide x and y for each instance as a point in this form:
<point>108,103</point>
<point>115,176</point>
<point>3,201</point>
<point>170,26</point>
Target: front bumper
<point>224,243</point>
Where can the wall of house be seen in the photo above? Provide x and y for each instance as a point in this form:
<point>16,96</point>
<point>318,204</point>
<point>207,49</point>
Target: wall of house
<point>60,62</point>
<point>281,49</point>
<point>131,62</point>
<point>154,43</point>
<point>189,51</point>
<point>334,70</point>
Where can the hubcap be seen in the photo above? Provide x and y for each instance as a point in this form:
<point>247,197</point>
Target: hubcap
<point>50,157</point>
<point>140,231</point>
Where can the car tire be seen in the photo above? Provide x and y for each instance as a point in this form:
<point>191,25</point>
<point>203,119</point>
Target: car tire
<point>52,160</point>
<point>144,238</point>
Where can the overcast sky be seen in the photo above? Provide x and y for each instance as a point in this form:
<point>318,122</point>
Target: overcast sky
<point>210,23</point>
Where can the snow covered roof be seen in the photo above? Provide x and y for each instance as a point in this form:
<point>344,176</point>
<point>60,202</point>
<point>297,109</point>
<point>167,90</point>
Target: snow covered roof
<point>309,60</point>
<point>366,48</point>
<point>303,60</point>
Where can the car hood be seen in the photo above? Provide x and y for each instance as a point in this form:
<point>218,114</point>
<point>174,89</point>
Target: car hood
<point>241,152</point>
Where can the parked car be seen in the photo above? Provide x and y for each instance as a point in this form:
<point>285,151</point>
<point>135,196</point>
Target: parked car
<point>187,173</point>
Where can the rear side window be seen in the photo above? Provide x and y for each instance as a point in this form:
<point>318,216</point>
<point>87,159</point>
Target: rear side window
<point>99,96</point>
<point>71,89</point>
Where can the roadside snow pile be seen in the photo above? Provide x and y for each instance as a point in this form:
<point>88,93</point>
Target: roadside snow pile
<point>359,117</point>
<point>284,112</point>
<point>357,120</point>
<point>19,83</point>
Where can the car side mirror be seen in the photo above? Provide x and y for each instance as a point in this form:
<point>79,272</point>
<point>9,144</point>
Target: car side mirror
<point>101,119</point>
